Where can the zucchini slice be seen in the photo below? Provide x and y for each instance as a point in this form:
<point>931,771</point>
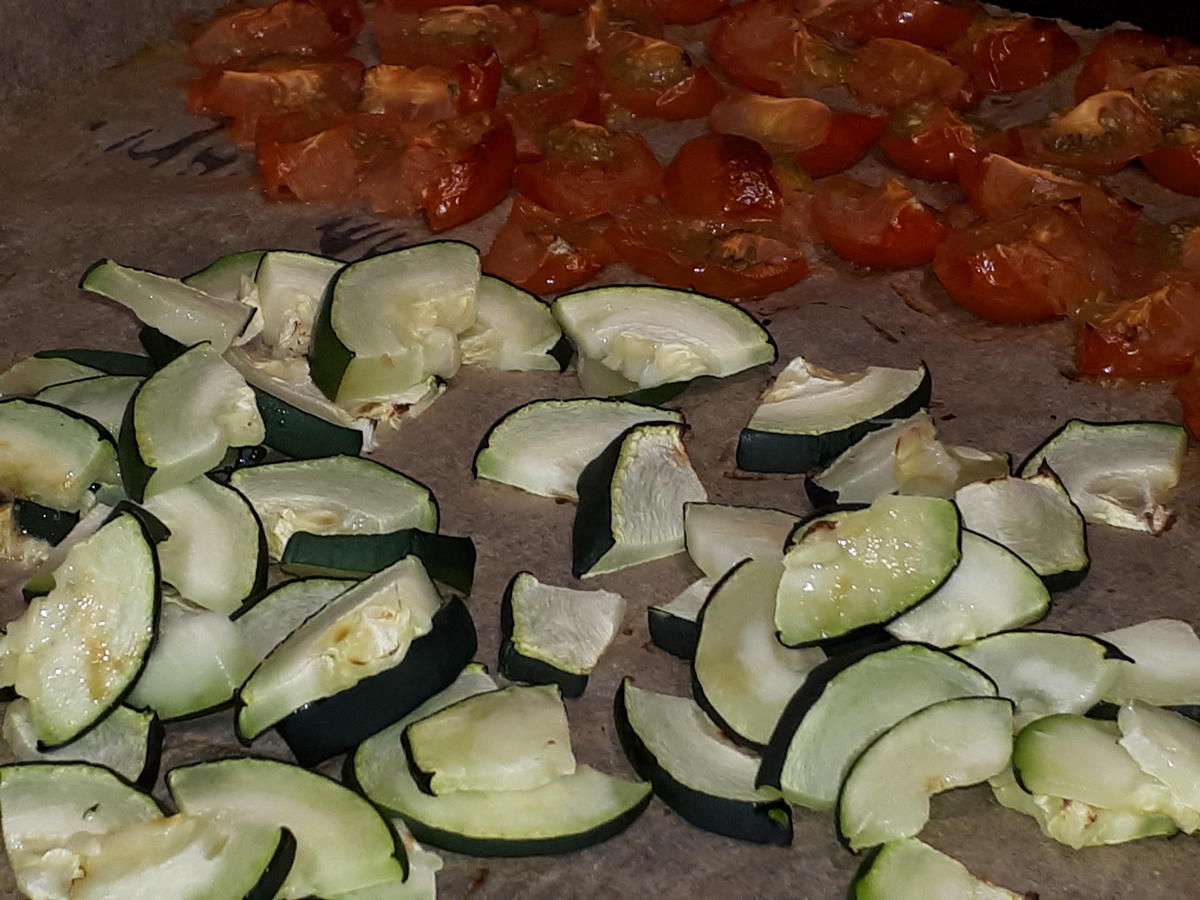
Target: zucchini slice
<point>555,635</point>
<point>1044,672</point>
<point>673,626</point>
<point>1035,519</point>
<point>421,881</point>
<point>75,652</point>
<point>514,739</point>
<point>864,567</point>
<point>569,813</point>
<point>1117,473</point>
<point>102,399</point>
<point>742,677</point>
<point>513,330</point>
<point>597,380</point>
<point>51,456</point>
<point>34,373</point>
<point>42,522</point>
<point>450,561</point>
<point>904,457</point>
<point>543,446</point>
<point>849,701</point>
<point>334,495</point>
<point>342,842</point>
<point>909,869</point>
<point>694,769</point>
<point>389,322</point>
<point>809,415</point>
<point>52,812</point>
<point>230,277</point>
<point>216,556</point>
<point>127,741</point>
<point>42,579</point>
<point>106,362</point>
<point>654,335</point>
<point>717,537</point>
<point>991,590</point>
<point>631,500</point>
<point>953,743</point>
<point>1165,745</point>
<point>1075,823</point>
<point>182,421</point>
<point>266,621</point>
<point>1162,665</point>
<point>179,681</point>
<point>178,310</point>
<point>289,287</point>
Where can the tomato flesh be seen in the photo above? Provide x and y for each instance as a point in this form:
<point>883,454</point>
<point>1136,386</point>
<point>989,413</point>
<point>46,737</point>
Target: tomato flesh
<point>1154,336</point>
<point>883,228</point>
<point>430,94</point>
<point>781,123</point>
<point>655,78</point>
<point>1014,54</point>
<point>548,93</point>
<point>722,176</point>
<point>997,186</point>
<point>927,140</point>
<point>890,74</point>
<point>1120,56</point>
<point>1098,136</point>
<point>1177,168</point>
<point>446,35</point>
<point>850,136</point>
<point>929,23</point>
<point>542,252</point>
<point>296,27</point>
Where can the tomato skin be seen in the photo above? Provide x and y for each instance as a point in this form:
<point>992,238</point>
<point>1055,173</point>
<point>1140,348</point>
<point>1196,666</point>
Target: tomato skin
<point>688,12</point>
<point>1153,336</point>
<point>588,170</point>
<point>929,23</point>
<point>704,256</point>
<point>765,46</point>
<point>431,93</point>
<point>1177,168</point>
<point>1187,392</point>
<point>997,187</point>
<point>1100,354</point>
<point>890,74</point>
<point>301,27</point>
<point>308,157</point>
<point>1120,56</point>
<point>781,123</point>
<point>473,181</point>
<point>723,176</point>
<point>569,91</point>
<point>882,228</point>
<point>927,140</point>
<point>850,136</point>
<point>542,252</point>
<point>1014,54</point>
<point>446,35</point>
<point>1099,136</point>
<point>656,78</point>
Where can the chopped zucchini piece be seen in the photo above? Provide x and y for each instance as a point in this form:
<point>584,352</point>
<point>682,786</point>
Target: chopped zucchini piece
<point>513,330</point>
<point>106,362</point>
<point>102,399</point>
<point>230,277</point>
<point>269,619</point>
<point>1163,665</point>
<point>909,869</point>
<point>718,537</point>
<point>1165,745</point>
<point>673,625</point>
<point>289,287</point>
<point>34,373</point>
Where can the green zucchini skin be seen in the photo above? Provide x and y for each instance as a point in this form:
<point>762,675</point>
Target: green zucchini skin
<point>301,435</point>
<point>160,348</point>
<point>656,396</point>
<point>335,724</point>
<point>51,525</point>
<point>135,473</point>
<point>449,560</point>
<point>561,352</point>
<point>516,666</point>
<point>329,364</point>
<point>591,533</point>
<point>769,451</point>
<point>768,822</point>
<point>674,634</point>
<point>277,869</point>
<point>110,362</point>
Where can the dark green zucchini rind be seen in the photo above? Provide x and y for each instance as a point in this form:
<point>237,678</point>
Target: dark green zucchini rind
<point>562,352</point>
<point>277,870</point>
<point>51,525</point>
<point>779,452</point>
<point>449,560</point>
<point>135,474</point>
<point>110,362</point>
<point>301,435</point>
<point>591,533</point>
<point>656,396</point>
<point>328,357</point>
<point>673,633</point>
<point>333,725</point>
<point>223,276</point>
<point>758,821</point>
<point>516,666</point>
<point>160,348</point>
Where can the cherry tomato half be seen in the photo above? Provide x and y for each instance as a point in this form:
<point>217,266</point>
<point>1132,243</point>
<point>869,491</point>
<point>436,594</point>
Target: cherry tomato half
<point>1013,54</point>
<point>930,23</point>
<point>296,27</point>
<point>1171,94</point>
<point>1120,56</point>
<point>1176,167</point>
<point>547,92</point>
<point>722,176</point>
<point>431,93</point>
<point>926,140</point>
<point>850,137</point>
<point>884,227</point>
<point>445,35</point>
<point>781,123</point>
<point>1098,136</point>
<point>892,74</point>
<point>652,77</point>
<point>1154,336</point>
<point>997,186</point>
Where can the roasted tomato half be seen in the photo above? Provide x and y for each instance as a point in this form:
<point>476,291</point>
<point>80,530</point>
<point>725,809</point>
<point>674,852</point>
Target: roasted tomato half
<point>272,87</point>
<point>781,123</point>
<point>430,94</point>
<point>765,46</point>
<point>1170,94</point>
<point>1154,336</point>
<point>891,74</point>
<point>1177,165</point>
<point>734,262</point>
<point>930,23</point>
<point>850,136</point>
<point>927,140</point>
<point>1122,55</point>
<point>997,187</point>
<point>445,35</point>
<point>1013,54</point>
<point>588,170</point>
<point>655,78</point>
<point>543,252</point>
<point>295,27</point>
<point>883,227</point>
<point>1099,136</point>
<point>723,176</point>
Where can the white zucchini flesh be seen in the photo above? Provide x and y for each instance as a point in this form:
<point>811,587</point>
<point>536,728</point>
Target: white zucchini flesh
<point>333,495</point>
<point>1166,663</point>
<point>514,739</point>
<point>807,399</point>
<point>360,633</point>
<point>212,555</point>
<point>52,457</point>
<point>1118,473</point>
<point>860,703</point>
<point>743,676</point>
<point>42,579</point>
<point>230,277</point>
<point>653,335</point>
<point>688,602</point>
<point>1044,672</point>
<point>543,446</point>
<point>288,380</point>
<point>1166,745</point>
<point>909,869</point>
<point>54,814</point>
<point>419,884</point>
<point>289,287</point>
<point>270,619</point>
<point>102,399</point>
<point>990,590</point>
<point>950,744</point>
<point>867,468</point>
<point>563,627</point>
<point>513,330</point>
<point>178,310</point>
<point>342,842</point>
<point>717,537</point>
<point>74,651</point>
<point>33,374</point>
<point>118,742</point>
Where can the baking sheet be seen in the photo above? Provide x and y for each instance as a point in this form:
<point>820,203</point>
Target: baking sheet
<point>112,167</point>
